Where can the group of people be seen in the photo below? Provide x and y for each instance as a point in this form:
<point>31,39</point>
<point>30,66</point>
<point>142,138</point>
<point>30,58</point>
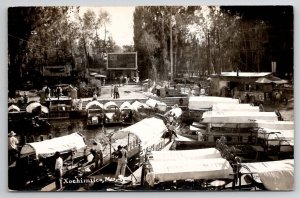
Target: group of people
<point>121,154</point>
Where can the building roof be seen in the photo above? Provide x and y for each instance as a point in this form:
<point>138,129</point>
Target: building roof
<point>245,74</point>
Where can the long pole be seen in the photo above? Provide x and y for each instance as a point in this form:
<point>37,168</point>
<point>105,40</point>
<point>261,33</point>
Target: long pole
<point>171,45</point>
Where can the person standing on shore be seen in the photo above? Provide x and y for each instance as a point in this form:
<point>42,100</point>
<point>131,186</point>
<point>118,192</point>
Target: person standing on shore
<point>116,90</point>
<point>112,93</point>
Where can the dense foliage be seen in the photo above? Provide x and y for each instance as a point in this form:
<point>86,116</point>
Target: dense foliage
<point>206,40</point>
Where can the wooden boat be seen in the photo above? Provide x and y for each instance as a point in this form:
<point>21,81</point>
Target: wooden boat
<point>112,113</point>
<point>270,175</point>
<point>156,105</point>
<point>138,139</point>
<point>197,169</point>
<point>276,134</point>
<point>127,113</point>
<point>59,108</point>
<point>95,114</point>
<point>140,110</point>
<point>237,126</point>
<point>36,162</point>
<point>143,135</point>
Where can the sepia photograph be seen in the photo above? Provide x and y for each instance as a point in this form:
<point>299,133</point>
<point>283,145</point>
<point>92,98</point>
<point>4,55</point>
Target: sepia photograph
<point>150,98</point>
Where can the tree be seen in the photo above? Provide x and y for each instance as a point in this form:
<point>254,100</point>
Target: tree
<point>27,29</point>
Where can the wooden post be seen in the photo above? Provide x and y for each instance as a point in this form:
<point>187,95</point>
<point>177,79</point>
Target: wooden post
<point>110,148</point>
<point>128,142</point>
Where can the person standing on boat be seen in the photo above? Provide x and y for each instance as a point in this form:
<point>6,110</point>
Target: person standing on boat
<point>122,154</point>
<point>13,151</point>
<point>97,147</point>
<point>58,171</point>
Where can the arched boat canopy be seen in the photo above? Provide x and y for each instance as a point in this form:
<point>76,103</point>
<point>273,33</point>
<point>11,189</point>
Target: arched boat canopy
<point>126,105</point>
<point>109,104</point>
<point>149,131</point>
<point>136,105</point>
<point>13,108</point>
<point>94,105</point>
<point>175,111</point>
<point>47,148</point>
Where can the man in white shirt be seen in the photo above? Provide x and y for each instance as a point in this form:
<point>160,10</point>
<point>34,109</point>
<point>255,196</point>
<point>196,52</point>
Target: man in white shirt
<point>122,155</point>
<point>58,171</point>
<point>12,147</point>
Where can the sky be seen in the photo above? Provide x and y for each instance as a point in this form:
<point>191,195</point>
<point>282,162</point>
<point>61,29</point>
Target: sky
<point>121,23</point>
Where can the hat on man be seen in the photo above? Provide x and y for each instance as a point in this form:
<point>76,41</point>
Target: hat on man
<point>119,147</point>
<point>12,134</point>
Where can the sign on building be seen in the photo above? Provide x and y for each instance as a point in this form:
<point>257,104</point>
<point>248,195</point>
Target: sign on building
<point>64,70</point>
<point>122,61</point>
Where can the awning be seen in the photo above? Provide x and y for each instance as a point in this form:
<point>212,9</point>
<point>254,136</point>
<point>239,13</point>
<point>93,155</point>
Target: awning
<point>181,155</point>
<point>236,117</point>
<point>206,102</point>
<point>126,105</point>
<point>100,76</point>
<point>263,81</point>
<point>47,148</point>
<point>35,105</point>
<point>152,103</point>
<point>278,125</point>
<point>93,74</point>
<point>235,107</point>
<point>175,111</point>
<point>149,131</point>
<point>215,168</point>
<point>275,175</point>
<point>32,106</point>
<point>136,105</point>
<point>13,108</point>
<point>94,105</point>
<point>277,137</point>
<point>281,81</point>
<point>157,104</point>
<point>110,104</point>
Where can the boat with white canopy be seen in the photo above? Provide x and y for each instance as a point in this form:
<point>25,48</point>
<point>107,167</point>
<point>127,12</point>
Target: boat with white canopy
<point>274,175</point>
<point>95,113</point>
<point>235,107</point>
<point>207,102</point>
<point>112,113</point>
